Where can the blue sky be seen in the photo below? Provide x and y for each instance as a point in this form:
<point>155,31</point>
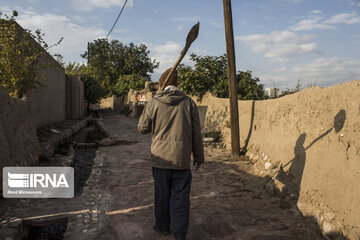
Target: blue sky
<point>280,41</point>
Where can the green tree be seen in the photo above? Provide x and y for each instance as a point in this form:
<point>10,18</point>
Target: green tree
<point>210,74</point>
<point>113,62</point>
<point>126,82</point>
<point>248,87</point>
<point>20,56</point>
<point>93,91</point>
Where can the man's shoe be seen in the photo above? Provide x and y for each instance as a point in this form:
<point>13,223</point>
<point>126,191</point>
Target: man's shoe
<point>160,231</point>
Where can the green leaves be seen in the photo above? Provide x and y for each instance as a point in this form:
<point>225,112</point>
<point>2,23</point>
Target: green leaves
<point>20,57</point>
<point>210,74</point>
<point>113,68</point>
<point>113,62</point>
<point>126,82</point>
<point>93,90</point>
<point>248,87</point>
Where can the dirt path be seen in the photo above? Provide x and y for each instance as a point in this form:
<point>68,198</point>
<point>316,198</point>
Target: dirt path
<point>227,200</point>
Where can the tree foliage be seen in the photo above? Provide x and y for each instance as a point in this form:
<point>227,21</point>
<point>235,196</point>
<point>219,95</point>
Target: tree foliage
<point>248,87</point>
<point>126,82</point>
<point>210,74</point>
<point>117,66</point>
<point>93,91</point>
<point>20,56</point>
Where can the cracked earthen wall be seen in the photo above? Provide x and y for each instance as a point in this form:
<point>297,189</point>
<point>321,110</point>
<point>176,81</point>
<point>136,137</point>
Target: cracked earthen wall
<point>19,145</point>
<point>315,135</point>
<point>19,118</point>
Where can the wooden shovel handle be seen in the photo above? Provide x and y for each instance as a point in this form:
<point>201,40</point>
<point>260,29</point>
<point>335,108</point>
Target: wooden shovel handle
<point>173,69</point>
<point>192,35</point>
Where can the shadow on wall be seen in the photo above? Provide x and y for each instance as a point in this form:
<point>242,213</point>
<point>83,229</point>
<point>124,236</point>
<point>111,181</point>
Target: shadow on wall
<point>214,120</point>
<point>290,174</point>
<point>292,178</point>
<point>202,114</point>
<point>244,149</point>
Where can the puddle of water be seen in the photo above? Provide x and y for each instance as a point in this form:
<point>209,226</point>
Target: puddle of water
<point>84,156</point>
<point>82,168</point>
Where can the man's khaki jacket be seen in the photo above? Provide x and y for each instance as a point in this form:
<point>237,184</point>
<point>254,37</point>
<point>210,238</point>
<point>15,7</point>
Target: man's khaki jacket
<point>173,119</point>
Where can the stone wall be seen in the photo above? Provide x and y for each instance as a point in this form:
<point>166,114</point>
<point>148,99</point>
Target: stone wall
<point>309,143</point>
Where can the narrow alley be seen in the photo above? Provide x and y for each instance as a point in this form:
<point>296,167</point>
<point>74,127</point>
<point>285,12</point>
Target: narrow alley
<point>228,201</point>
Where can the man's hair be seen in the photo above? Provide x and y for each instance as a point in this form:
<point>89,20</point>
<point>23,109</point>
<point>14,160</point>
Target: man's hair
<point>172,81</point>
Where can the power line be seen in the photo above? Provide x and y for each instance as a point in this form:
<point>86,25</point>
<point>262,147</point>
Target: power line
<point>122,9</point>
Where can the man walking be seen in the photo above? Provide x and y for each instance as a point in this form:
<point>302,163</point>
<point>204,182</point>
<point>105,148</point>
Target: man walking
<point>173,119</point>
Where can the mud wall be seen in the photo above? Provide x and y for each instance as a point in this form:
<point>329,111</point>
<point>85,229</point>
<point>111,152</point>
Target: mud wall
<point>107,102</point>
<point>74,98</point>
<point>309,143</point>
<point>47,104</point>
<point>113,102</point>
<point>19,143</point>
<point>19,118</point>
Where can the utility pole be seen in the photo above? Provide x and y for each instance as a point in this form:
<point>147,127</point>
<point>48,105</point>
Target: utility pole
<point>88,53</point>
<point>230,52</point>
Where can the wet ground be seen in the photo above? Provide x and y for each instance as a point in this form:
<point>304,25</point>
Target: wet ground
<point>228,201</point>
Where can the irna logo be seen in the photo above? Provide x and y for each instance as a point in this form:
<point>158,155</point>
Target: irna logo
<point>38,182</point>
<point>19,180</point>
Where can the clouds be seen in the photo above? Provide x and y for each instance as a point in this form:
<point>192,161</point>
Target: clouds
<point>286,47</point>
<point>288,1</point>
<point>348,18</point>
<point>56,26</point>
<point>316,11</point>
<point>286,39</point>
<point>324,71</point>
<point>355,3</point>
<point>317,22</point>
<point>89,5</point>
<point>280,46</point>
<point>311,24</point>
<point>166,54</point>
<point>182,21</point>
<point>329,71</point>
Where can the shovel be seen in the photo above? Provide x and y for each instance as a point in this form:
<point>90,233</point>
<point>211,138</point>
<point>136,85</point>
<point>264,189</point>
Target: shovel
<point>339,121</point>
<point>192,35</point>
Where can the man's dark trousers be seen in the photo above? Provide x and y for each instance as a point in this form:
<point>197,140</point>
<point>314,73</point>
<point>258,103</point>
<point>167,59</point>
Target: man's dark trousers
<point>172,200</point>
